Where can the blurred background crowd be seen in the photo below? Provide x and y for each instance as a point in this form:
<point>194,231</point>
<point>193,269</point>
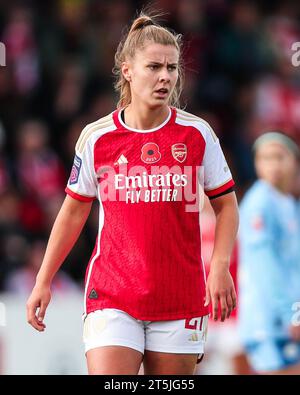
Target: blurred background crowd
<point>59,55</point>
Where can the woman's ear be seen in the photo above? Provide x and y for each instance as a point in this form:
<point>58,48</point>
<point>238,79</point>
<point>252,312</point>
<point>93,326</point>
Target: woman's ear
<point>126,71</point>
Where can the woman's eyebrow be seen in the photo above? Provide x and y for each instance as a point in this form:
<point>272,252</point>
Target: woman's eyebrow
<point>161,64</point>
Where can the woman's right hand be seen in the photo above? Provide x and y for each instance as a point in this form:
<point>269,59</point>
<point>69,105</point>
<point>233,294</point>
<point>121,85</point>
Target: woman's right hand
<point>39,299</point>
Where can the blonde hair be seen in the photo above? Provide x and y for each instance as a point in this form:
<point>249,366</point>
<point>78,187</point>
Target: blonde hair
<point>145,29</point>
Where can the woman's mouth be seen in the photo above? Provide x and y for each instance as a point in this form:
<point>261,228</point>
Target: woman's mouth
<point>163,92</point>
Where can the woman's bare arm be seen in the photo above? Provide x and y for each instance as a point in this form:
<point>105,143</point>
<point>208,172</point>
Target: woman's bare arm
<point>64,234</point>
<point>220,287</point>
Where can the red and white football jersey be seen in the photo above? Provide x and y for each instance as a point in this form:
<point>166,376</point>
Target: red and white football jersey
<point>147,258</point>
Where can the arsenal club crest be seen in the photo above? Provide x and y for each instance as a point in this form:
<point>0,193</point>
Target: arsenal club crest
<point>150,153</point>
<point>179,152</point>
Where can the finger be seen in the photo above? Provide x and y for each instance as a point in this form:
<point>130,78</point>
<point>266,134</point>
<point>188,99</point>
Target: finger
<point>223,303</point>
<point>233,297</point>
<point>229,305</point>
<point>42,312</point>
<point>207,297</point>
<point>39,326</point>
<point>32,319</point>
<point>215,307</point>
<point>31,310</point>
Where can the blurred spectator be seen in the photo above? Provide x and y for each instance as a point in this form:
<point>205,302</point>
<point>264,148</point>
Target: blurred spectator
<point>269,263</point>
<point>68,98</point>
<point>21,49</point>
<point>191,23</point>
<point>21,281</point>
<point>5,176</point>
<point>40,175</point>
<point>241,50</point>
<point>13,241</point>
<point>277,99</point>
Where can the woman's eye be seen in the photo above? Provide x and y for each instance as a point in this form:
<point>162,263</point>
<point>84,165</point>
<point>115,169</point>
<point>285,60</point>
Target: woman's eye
<point>155,67</point>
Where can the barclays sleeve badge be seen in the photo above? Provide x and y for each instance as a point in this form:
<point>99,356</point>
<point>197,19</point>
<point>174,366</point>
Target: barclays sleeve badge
<point>75,170</point>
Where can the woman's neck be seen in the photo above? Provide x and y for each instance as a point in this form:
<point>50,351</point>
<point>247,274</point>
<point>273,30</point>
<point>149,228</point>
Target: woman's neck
<point>140,117</point>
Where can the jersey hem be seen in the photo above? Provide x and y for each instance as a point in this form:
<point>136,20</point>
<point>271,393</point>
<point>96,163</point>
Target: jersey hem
<point>163,317</point>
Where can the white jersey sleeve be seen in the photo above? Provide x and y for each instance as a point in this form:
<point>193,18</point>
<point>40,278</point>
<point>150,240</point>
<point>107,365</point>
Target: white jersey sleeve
<point>217,175</point>
<point>82,184</point>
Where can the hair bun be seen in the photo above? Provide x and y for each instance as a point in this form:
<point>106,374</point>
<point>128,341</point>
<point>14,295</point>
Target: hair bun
<point>149,22</point>
<point>141,22</point>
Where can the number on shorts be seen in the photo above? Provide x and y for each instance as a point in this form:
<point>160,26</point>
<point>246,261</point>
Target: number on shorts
<point>196,324</point>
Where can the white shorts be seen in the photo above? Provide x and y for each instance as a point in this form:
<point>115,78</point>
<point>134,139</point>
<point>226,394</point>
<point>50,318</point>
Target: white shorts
<point>109,327</point>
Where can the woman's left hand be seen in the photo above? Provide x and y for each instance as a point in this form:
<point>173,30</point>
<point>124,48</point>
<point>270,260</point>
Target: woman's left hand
<point>220,288</point>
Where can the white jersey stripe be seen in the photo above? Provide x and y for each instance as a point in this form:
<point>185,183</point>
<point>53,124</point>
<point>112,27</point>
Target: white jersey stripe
<point>197,119</point>
<point>87,127</point>
<point>103,125</point>
<point>101,223</point>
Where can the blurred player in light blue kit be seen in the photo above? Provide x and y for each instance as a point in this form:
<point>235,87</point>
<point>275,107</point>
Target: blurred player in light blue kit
<point>269,264</point>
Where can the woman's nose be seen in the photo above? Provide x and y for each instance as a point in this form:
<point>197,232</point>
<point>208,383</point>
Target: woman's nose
<point>164,76</point>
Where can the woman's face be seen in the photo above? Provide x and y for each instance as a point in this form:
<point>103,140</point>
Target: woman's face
<point>277,165</point>
<point>152,74</point>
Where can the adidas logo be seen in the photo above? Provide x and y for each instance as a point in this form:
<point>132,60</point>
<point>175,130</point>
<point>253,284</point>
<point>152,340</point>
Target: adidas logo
<point>193,337</point>
<point>93,294</point>
<point>121,160</point>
